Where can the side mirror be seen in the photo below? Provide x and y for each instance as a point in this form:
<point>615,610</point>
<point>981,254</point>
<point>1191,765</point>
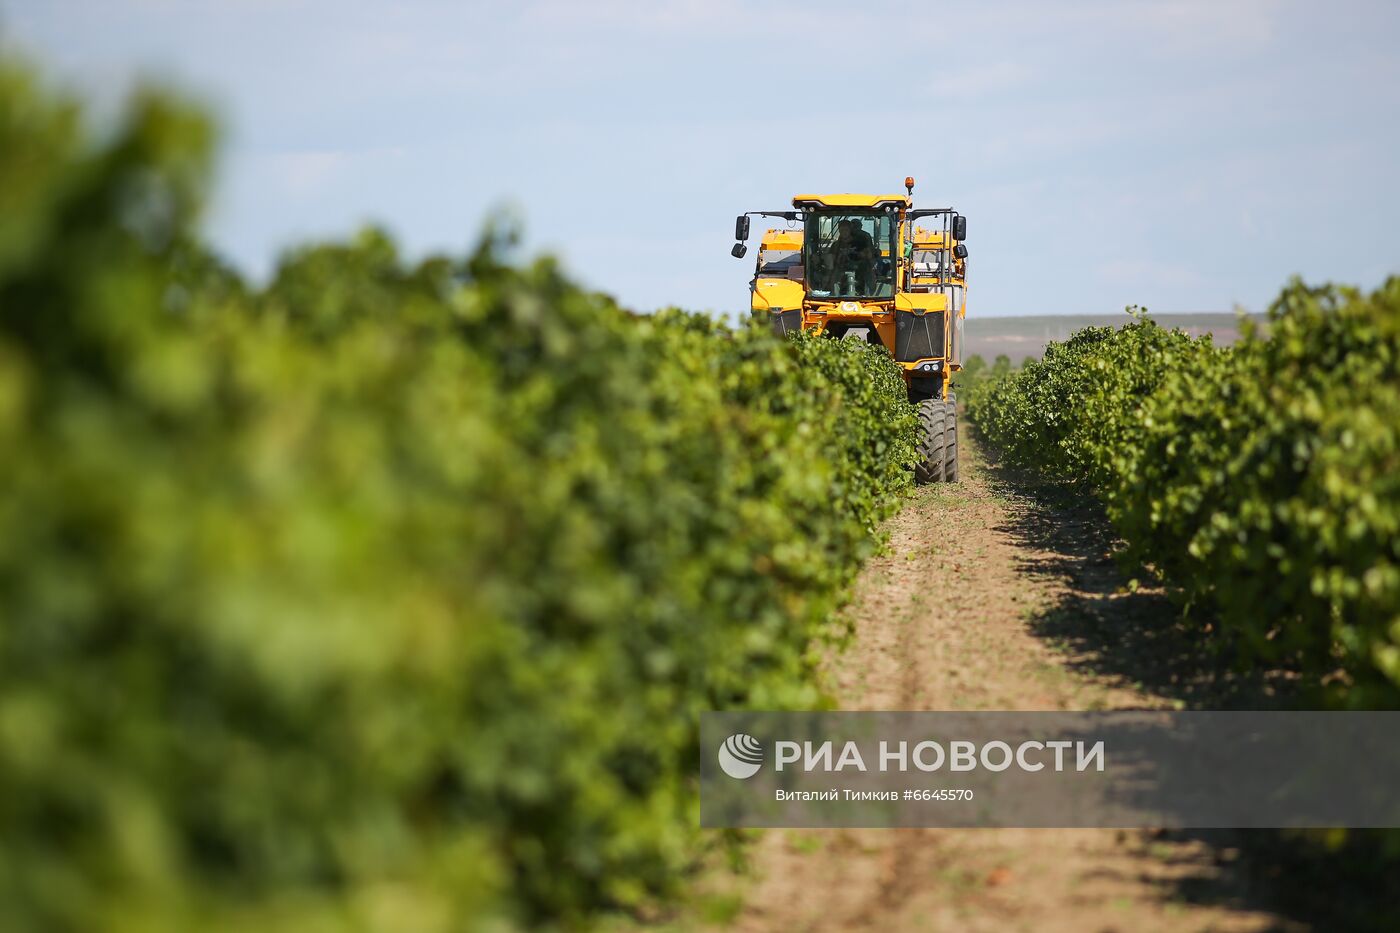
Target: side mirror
<point>741,227</point>
<point>960,228</point>
<point>739,251</point>
<point>960,251</point>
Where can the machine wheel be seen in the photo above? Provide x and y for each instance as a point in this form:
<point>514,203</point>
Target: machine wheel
<point>950,444</point>
<point>933,438</point>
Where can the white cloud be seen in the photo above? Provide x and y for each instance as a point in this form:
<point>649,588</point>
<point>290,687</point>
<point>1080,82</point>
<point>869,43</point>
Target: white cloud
<point>1144,142</point>
<point>970,85</point>
<point>302,173</point>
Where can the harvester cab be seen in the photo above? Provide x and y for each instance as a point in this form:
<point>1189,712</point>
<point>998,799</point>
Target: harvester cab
<point>873,263</point>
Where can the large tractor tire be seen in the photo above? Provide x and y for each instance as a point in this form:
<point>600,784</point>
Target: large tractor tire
<point>937,429</point>
<point>950,442</point>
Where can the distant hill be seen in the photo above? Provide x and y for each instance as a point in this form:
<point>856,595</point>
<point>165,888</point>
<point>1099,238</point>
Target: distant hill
<point>1020,337</point>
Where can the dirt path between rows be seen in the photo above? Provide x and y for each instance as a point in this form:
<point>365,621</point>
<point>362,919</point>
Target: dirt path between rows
<point>991,599</point>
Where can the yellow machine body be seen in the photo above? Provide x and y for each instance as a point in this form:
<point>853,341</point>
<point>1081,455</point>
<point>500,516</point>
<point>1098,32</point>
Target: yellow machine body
<point>919,315</point>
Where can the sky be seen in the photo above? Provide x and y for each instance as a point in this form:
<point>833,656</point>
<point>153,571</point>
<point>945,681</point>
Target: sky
<point>1181,155</point>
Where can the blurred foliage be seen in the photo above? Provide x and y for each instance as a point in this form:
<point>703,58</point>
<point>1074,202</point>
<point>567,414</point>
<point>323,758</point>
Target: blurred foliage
<point>1260,481</point>
<point>386,596</point>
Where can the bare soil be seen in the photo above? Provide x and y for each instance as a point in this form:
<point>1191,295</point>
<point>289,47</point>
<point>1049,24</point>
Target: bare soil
<point>1000,593</point>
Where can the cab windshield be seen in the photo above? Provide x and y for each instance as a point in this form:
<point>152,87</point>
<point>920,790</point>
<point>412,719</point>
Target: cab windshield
<point>849,255</point>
